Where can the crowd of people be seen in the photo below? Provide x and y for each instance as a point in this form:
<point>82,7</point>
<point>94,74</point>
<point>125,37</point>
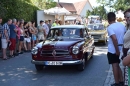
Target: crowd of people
<point>19,36</point>
<point>118,43</point>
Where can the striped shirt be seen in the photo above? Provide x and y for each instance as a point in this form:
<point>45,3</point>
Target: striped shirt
<point>5,27</point>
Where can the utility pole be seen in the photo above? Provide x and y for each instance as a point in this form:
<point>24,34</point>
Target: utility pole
<point>58,1</point>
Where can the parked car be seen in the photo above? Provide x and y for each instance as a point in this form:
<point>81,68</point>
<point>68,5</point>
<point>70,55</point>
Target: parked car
<point>64,45</point>
<point>99,32</point>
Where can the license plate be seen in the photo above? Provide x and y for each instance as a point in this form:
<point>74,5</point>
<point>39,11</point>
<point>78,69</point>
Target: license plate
<point>53,63</point>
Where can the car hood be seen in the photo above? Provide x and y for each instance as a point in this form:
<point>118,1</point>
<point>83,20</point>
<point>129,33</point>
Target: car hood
<point>97,32</point>
<point>59,44</point>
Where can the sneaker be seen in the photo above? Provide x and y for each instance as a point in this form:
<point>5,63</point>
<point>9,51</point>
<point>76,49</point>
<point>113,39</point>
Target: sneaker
<point>20,52</point>
<point>11,56</point>
<point>115,84</point>
<point>121,83</point>
<point>29,50</point>
<point>25,50</point>
<point>16,54</point>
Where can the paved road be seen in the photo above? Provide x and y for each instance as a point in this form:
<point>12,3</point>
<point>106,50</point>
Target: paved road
<point>19,71</point>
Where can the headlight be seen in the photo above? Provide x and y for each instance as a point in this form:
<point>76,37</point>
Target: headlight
<point>34,50</point>
<point>75,50</point>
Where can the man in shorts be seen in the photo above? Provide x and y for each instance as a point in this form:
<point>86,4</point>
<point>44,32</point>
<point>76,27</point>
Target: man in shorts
<point>116,32</point>
<point>13,32</point>
<point>5,37</point>
<point>41,32</point>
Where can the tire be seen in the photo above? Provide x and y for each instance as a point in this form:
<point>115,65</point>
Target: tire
<point>39,67</point>
<point>92,54</point>
<point>81,66</point>
<point>105,42</point>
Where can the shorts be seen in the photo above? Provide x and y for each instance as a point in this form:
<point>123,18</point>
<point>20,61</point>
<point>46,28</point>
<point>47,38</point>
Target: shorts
<point>112,58</point>
<point>27,39</point>
<point>21,38</point>
<point>34,38</point>
<point>12,44</point>
<point>40,37</point>
<point>4,43</point>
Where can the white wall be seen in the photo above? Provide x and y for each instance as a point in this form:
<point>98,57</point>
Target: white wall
<point>86,7</point>
<point>42,16</point>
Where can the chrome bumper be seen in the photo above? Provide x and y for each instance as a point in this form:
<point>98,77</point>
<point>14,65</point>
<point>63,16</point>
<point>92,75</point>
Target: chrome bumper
<point>63,62</point>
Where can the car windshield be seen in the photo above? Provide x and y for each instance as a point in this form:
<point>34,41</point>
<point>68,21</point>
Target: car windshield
<point>65,33</point>
<point>96,27</point>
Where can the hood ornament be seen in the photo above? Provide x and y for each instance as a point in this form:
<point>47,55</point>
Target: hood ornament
<point>54,53</point>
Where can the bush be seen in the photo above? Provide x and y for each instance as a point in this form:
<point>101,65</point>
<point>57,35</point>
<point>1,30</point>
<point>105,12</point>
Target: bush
<point>19,9</point>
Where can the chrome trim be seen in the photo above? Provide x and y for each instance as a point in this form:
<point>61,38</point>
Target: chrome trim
<point>63,62</point>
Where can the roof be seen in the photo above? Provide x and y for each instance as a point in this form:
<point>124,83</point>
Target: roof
<point>96,24</point>
<point>69,26</point>
<point>80,5</point>
<point>69,6</point>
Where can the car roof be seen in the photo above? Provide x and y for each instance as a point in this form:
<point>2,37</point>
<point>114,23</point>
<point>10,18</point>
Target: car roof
<point>96,24</point>
<point>69,26</point>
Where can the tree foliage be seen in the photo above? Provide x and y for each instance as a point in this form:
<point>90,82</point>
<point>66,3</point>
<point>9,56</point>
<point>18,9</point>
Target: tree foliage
<point>116,4</point>
<point>100,10</point>
<point>19,9</point>
<point>44,4</point>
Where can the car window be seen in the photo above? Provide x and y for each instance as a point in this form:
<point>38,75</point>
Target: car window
<point>66,32</point>
<point>96,27</point>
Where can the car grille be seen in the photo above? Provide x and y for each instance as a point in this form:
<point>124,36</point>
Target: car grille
<point>59,53</point>
<point>96,36</point>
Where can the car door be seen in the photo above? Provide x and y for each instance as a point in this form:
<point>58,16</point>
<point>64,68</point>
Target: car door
<point>89,41</point>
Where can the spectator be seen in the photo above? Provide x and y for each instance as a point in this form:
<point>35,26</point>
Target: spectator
<point>34,38</point>
<point>126,45</point>
<point>26,37</point>
<point>0,32</point>
<point>13,32</point>
<point>116,33</point>
<point>55,23</point>
<point>17,38</point>
<point>46,27</point>
<point>60,22</point>
<point>22,21</point>
<point>41,32</point>
<point>49,24</point>
<point>21,37</point>
<point>5,37</point>
<point>30,31</point>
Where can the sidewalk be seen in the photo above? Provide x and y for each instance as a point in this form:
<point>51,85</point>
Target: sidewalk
<point>110,78</point>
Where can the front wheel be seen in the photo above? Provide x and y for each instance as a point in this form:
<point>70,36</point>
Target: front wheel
<point>105,42</point>
<point>81,66</point>
<point>39,67</point>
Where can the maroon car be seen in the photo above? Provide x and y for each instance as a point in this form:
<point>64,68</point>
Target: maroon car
<point>64,45</point>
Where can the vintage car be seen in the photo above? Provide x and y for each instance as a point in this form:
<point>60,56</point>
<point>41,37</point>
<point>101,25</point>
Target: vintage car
<point>99,32</point>
<point>64,45</point>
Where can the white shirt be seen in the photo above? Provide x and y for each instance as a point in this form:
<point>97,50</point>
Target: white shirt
<point>119,30</point>
<point>46,28</point>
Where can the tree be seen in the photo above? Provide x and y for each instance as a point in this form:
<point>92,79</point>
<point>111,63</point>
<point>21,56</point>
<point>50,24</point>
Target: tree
<point>100,10</point>
<point>19,9</point>
<point>116,4</point>
<point>44,4</point>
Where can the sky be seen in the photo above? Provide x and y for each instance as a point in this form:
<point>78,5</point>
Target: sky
<point>93,2</point>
